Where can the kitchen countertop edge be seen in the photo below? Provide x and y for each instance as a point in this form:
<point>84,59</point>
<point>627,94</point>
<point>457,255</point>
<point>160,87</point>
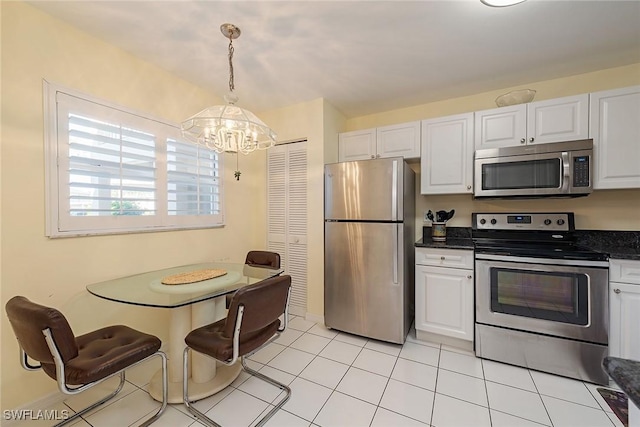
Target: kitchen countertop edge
<point>450,243</point>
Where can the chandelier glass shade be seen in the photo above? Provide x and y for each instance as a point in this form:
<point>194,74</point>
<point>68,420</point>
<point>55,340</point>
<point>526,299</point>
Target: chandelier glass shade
<point>229,128</point>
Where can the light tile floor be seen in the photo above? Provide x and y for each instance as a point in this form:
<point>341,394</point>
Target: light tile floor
<point>339,380</point>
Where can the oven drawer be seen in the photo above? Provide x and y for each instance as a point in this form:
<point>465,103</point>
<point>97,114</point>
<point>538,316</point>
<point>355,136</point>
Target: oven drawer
<point>453,258</point>
<point>625,271</point>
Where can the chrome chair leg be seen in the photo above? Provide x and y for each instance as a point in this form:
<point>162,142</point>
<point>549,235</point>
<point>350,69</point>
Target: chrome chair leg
<point>165,395</point>
<point>185,392</point>
<point>94,405</point>
<point>208,421</point>
<point>271,381</point>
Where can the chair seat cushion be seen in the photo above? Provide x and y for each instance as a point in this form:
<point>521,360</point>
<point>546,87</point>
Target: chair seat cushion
<point>210,340</point>
<point>106,351</point>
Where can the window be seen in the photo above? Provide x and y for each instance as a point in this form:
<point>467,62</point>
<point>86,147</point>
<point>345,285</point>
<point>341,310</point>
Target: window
<point>112,170</point>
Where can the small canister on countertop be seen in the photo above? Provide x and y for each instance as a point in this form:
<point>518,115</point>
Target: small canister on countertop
<point>439,231</point>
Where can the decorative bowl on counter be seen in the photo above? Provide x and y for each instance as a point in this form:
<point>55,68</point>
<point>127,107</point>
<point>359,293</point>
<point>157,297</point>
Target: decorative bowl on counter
<point>515,97</point>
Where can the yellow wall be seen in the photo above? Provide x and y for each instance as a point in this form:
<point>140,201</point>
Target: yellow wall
<point>602,210</point>
<point>583,83</point>
<point>55,272</point>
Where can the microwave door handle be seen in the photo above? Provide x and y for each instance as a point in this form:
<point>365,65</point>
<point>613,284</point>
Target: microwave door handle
<point>566,172</point>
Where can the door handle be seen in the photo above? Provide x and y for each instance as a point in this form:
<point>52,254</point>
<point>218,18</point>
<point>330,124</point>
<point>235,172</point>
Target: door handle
<point>395,253</point>
<point>394,191</point>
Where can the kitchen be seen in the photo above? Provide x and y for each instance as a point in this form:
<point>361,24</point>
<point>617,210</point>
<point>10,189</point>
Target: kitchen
<point>318,120</point>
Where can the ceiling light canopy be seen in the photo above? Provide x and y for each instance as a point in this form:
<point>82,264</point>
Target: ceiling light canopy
<point>229,128</point>
<point>501,3</point>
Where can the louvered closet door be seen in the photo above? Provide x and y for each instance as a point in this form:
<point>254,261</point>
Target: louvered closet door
<point>287,216</point>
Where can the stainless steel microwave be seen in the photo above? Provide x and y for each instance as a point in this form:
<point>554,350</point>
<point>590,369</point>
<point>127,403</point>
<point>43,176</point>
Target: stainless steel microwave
<point>562,169</point>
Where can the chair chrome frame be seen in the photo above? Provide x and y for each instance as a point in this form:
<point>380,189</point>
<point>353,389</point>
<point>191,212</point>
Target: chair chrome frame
<point>70,390</point>
<point>236,350</point>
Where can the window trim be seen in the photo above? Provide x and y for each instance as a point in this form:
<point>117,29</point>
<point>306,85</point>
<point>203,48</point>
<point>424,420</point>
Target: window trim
<point>52,182</point>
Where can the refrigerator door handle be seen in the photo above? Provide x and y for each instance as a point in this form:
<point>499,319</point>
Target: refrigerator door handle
<point>395,254</point>
<point>394,192</point>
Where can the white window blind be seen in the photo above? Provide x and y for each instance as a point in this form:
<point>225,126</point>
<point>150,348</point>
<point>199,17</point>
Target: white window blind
<point>193,180</point>
<point>111,170</point>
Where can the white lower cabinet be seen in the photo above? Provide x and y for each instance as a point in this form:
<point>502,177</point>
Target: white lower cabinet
<point>444,294</point>
<point>624,309</point>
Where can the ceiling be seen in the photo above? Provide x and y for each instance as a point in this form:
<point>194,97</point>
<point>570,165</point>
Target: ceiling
<point>364,57</point>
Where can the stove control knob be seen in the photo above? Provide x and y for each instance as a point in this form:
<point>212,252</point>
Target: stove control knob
<point>547,221</point>
<point>560,222</point>
<point>493,221</point>
<point>483,221</point>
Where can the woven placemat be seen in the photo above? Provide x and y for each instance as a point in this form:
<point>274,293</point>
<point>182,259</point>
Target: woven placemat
<point>192,277</point>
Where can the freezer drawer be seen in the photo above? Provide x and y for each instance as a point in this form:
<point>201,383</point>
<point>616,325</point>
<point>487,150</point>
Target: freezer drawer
<point>365,190</point>
<point>365,287</point>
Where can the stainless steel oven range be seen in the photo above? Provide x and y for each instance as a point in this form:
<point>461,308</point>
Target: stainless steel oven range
<point>541,300</point>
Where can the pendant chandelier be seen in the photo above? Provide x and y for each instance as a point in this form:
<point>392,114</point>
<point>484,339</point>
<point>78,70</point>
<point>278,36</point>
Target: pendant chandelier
<point>229,128</point>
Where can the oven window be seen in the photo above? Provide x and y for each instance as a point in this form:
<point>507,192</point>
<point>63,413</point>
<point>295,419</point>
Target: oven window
<point>556,296</point>
<point>522,175</point>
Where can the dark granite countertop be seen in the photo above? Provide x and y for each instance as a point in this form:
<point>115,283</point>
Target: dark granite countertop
<point>616,244</point>
<point>457,238</point>
<point>626,373</point>
<point>450,243</point>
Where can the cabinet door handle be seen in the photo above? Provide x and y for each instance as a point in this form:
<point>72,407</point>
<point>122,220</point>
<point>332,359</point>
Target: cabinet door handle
<point>442,258</point>
<point>522,141</point>
<point>531,139</point>
<point>617,291</point>
<point>468,187</point>
<point>469,277</point>
<point>373,157</point>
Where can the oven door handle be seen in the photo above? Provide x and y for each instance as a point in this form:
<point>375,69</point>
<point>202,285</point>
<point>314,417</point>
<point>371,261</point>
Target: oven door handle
<point>546,261</point>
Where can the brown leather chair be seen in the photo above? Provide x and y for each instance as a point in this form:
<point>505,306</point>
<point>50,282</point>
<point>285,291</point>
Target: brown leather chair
<point>264,259</point>
<point>253,321</point>
<point>79,363</point>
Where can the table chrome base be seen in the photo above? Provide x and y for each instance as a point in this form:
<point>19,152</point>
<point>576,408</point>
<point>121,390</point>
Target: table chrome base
<point>225,375</point>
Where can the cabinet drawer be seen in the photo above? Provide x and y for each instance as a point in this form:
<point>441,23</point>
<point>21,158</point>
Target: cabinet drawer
<point>453,258</point>
<point>621,270</point>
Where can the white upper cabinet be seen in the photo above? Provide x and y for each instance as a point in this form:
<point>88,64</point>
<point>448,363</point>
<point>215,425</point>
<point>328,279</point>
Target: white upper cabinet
<point>446,162</point>
<point>614,125</point>
<point>402,140</point>
<point>399,140</point>
<point>553,120</point>
<point>501,127</point>
<point>357,145</point>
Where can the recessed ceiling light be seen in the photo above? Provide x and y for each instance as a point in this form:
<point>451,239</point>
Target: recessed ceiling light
<point>501,3</point>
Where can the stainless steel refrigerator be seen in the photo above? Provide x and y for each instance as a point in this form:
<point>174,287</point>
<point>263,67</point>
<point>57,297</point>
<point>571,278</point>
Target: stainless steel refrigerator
<point>369,248</point>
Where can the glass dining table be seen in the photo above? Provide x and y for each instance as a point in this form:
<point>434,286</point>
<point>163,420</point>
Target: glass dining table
<point>192,305</point>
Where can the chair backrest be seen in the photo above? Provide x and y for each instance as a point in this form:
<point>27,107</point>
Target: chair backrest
<point>29,319</point>
<point>263,259</point>
<point>264,302</point>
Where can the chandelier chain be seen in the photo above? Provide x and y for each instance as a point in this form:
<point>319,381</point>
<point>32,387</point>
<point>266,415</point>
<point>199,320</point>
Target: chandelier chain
<point>231,83</point>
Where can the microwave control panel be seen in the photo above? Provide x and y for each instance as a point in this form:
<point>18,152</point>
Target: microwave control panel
<point>581,171</point>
